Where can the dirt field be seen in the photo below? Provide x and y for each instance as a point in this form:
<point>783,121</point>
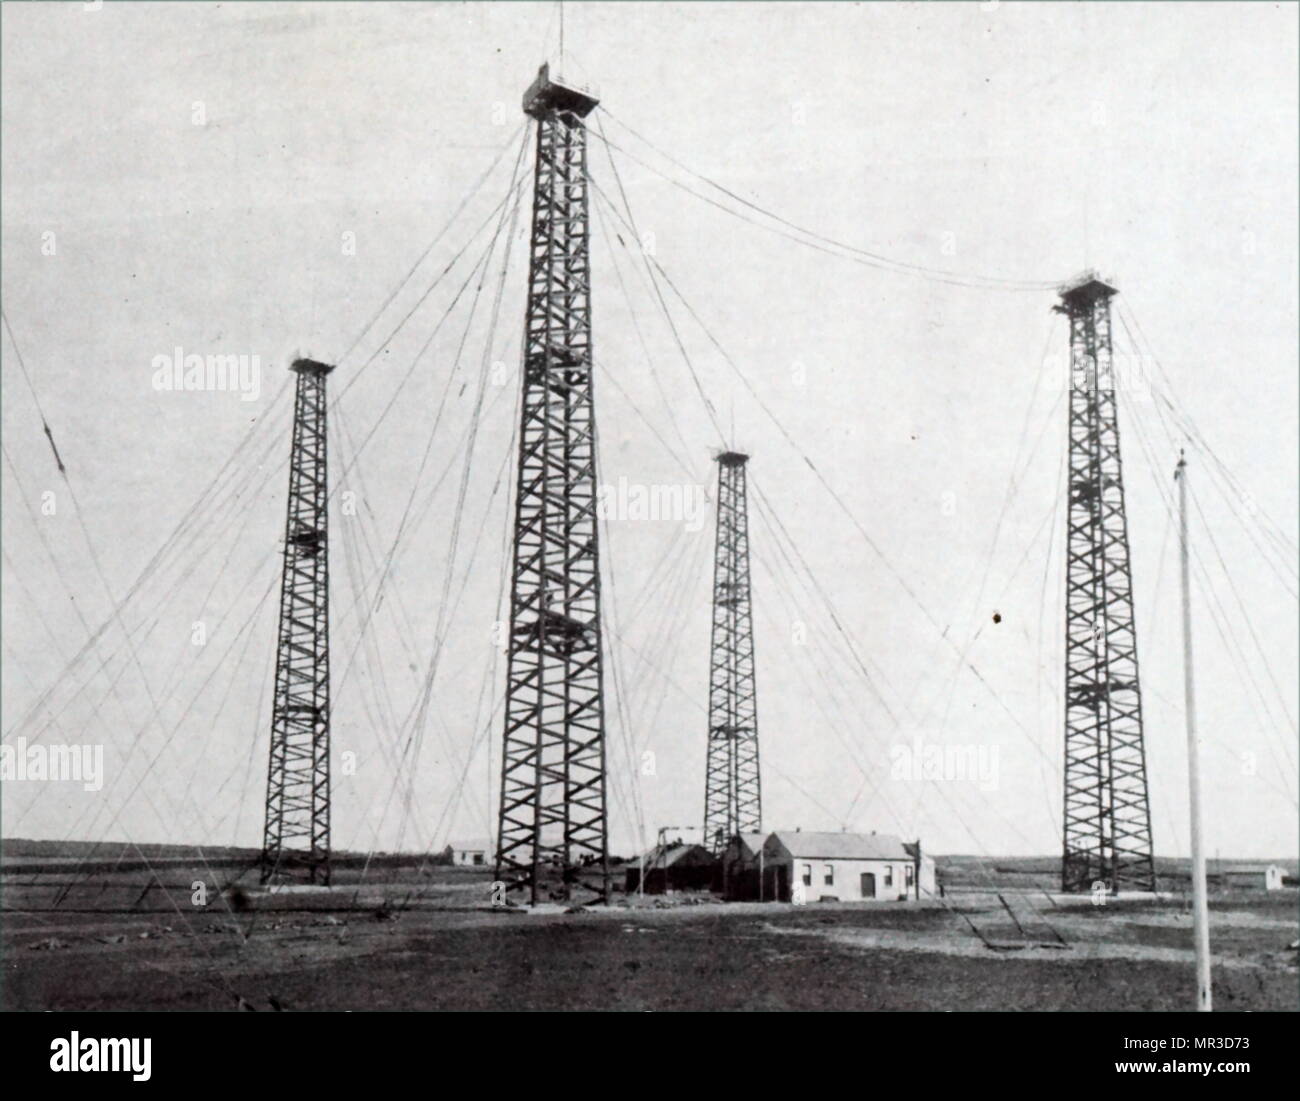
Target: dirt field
<point>445,951</point>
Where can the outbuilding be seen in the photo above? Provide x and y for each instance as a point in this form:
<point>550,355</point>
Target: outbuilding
<point>1254,877</point>
<point>673,866</point>
<point>470,854</point>
<point>799,866</point>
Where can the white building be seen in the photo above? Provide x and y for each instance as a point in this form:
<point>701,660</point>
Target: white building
<point>844,867</point>
<point>470,854</point>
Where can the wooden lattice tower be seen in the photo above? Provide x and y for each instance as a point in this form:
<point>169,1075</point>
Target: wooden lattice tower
<point>296,843</point>
<point>732,790</point>
<point>1107,827</point>
<point>552,826</point>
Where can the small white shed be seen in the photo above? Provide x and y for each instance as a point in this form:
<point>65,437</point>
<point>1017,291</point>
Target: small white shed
<point>471,854</point>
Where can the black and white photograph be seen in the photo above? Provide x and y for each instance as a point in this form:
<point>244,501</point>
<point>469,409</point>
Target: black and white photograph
<point>651,507</point>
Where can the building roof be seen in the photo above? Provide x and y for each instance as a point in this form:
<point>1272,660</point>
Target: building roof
<point>752,841</point>
<point>843,846</point>
<point>1249,869</point>
<point>676,852</point>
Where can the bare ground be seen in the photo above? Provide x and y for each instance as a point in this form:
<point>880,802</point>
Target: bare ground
<point>333,952</point>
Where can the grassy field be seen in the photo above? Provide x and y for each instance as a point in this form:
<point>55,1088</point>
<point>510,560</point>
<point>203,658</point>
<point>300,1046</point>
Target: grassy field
<point>1173,873</point>
<point>412,938</point>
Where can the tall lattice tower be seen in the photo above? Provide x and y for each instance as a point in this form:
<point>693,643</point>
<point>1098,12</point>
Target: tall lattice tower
<point>296,843</point>
<point>732,791</point>
<point>552,831</point>
<point>1107,834</point>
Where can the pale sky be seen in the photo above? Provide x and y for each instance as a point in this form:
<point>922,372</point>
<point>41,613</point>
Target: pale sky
<point>256,179</point>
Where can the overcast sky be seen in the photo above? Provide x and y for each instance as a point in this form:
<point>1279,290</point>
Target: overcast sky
<point>256,179</point>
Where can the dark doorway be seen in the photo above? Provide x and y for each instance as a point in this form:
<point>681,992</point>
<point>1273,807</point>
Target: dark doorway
<point>868,884</point>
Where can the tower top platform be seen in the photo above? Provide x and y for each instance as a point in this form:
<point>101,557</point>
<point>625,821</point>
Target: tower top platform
<point>311,366</point>
<point>1086,289</point>
<point>733,458</point>
<point>548,93</point>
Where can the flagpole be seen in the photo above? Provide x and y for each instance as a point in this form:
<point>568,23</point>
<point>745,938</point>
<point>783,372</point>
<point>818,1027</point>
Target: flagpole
<point>1200,907</point>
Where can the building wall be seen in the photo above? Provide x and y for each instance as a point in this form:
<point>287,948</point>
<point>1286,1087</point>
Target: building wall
<point>469,857</point>
<point>737,855</point>
<point>847,875</point>
<point>929,880</point>
<point>893,878</point>
<point>737,863</point>
<point>685,877</point>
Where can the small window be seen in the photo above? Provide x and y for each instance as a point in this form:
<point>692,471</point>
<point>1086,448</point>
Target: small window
<point>828,874</point>
<point>807,875</point>
<point>910,876</point>
<point>478,858</point>
<point>889,875</point>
